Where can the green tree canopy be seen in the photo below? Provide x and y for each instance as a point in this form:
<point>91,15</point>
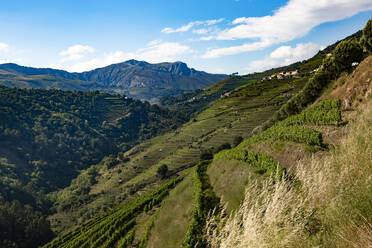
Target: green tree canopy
<point>162,171</point>
<point>366,40</point>
<point>345,54</point>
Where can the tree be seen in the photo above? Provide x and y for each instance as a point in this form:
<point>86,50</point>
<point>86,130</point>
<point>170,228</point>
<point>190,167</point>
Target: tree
<point>345,54</point>
<point>162,171</point>
<point>366,39</point>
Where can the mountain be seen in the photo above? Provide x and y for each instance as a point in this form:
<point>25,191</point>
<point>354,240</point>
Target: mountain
<point>135,78</point>
<point>173,212</point>
<point>304,176</point>
<point>288,157</point>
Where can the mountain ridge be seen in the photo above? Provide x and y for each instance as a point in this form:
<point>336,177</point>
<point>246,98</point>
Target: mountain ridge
<point>121,76</point>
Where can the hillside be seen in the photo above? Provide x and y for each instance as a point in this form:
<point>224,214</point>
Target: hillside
<point>136,170</point>
<point>69,131</point>
<point>48,136</point>
<point>325,201</point>
<point>138,79</point>
<point>303,187</point>
<point>99,170</point>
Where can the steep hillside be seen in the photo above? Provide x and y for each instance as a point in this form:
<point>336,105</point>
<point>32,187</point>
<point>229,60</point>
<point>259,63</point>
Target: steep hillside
<point>48,137</point>
<point>136,170</point>
<point>225,179</point>
<point>277,152</point>
<point>135,78</point>
<point>280,212</point>
<point>325,201</point>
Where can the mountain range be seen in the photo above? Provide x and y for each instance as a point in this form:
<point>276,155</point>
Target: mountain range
<point>138,79</point>
<point>250,161</point>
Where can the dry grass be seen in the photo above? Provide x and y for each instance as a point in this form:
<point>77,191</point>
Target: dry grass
<point>327,204</point>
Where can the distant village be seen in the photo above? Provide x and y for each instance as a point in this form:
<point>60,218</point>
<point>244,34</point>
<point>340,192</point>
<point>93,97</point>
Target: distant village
<point>288,74</point>
<point>281,75</point>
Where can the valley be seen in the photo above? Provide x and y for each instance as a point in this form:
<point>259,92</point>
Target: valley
<point>269,159</point>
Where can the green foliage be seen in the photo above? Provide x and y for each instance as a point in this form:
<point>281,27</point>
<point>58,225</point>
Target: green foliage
<point>206,155</point>
<point>54,134</point>
<point>78,192</point>
<point>109,229</point>
<point>205,202</point>
<point>262,163</point>
<point>22,227</point>
<point>144,239</point>
<point>236,154</point>
<point>346,52</point>
<point>110,161</point>
<point>344,55</point>
<point>162,171</point>
<point>127,240</point>
<point>298,134</point>
<point>366,39</point>
<point>325,113</point>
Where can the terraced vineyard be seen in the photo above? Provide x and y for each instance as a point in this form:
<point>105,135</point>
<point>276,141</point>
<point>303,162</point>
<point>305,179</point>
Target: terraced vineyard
<point>176,213</point>
<point>235,115</point>
<point>151,215</point>
<point>116,227</point>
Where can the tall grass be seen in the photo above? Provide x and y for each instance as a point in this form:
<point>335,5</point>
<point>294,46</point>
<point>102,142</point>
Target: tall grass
<point>328,203</point>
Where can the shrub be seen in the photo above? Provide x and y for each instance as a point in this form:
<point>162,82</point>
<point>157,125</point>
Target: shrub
<point>205,201</point>
<point>110,162</point>
<point>162,171</point>
<point>366,40</point>
<point>345,54</point>
<point>327,203</point>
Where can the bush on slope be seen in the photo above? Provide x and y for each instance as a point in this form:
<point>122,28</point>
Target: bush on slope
<point>327,205</point>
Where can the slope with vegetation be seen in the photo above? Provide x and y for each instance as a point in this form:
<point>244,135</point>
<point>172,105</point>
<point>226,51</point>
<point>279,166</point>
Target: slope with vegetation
<point>325,199</point>
<point>324,202</point>
<point>287,183</point>
<point>205,133</point>
<point>48,137</point>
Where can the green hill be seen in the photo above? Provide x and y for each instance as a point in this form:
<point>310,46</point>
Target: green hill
<point>48,136</point>
<point>277,154</point>
<point>213,174</point>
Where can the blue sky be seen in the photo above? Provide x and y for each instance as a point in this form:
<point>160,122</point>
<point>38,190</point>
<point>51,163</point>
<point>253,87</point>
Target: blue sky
<point>221,36</point>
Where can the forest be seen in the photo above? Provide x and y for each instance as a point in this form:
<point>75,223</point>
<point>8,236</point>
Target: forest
<point>48,136</point>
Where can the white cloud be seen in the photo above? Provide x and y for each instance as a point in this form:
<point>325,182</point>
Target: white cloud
<point>154,42</point>
<point>291,21</point>
<point>155,52</point>
<point>75,52</point>
<point>4,47</point>
<point>190,25</point>
<point>284,55</point>
<point>213,22</point>
<point>200,31</point>
<point>218,52</point>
